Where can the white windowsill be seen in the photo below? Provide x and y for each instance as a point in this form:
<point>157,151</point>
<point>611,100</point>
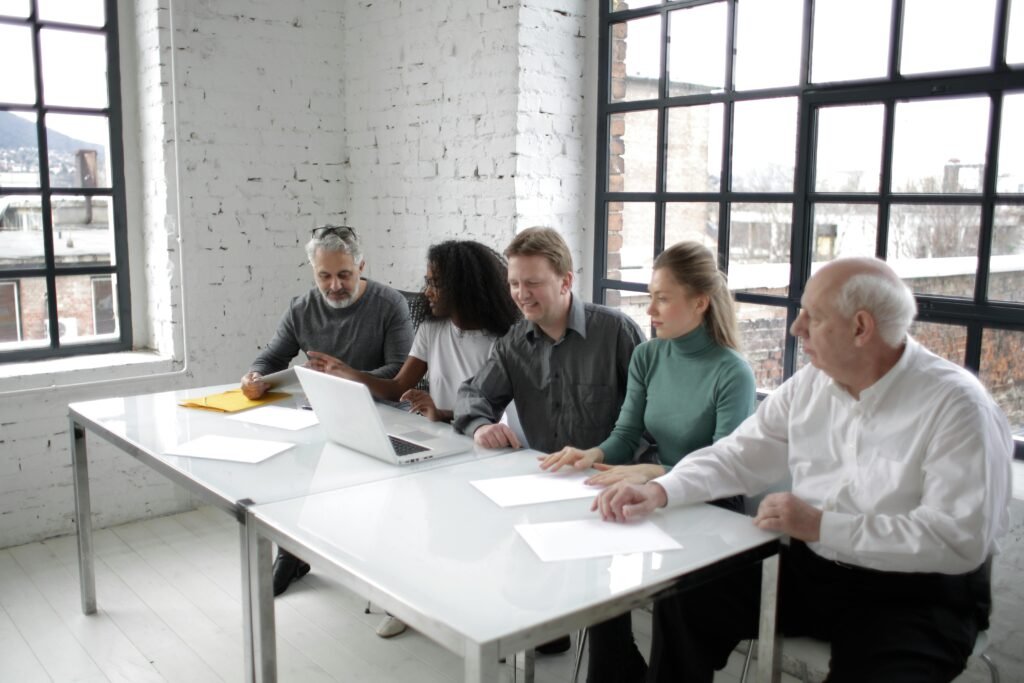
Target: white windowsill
<point>58,373</point>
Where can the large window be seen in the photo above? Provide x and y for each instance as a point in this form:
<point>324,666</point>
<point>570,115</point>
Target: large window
<point>63,250</point>
<point>785,133</point>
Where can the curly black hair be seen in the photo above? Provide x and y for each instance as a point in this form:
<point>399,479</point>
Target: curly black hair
<point>472,280</point>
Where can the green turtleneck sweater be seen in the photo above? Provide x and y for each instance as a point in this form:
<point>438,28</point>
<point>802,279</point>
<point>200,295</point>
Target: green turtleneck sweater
<point>688,392</point>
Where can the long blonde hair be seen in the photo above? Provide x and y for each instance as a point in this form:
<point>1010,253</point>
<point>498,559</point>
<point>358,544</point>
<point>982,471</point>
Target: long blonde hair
<point>694,267</point>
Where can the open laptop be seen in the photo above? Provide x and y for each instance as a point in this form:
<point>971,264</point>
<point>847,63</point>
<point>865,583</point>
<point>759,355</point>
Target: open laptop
<point>349,417</point>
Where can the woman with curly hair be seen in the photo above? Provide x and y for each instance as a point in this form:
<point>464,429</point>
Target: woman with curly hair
<point>466,288</point>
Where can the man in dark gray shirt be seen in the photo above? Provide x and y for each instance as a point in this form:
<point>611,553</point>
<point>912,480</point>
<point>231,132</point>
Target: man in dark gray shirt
<point>565,364</point>
<point>344,319</point>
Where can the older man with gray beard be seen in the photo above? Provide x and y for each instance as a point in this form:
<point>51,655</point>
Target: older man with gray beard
<point>346,318</point>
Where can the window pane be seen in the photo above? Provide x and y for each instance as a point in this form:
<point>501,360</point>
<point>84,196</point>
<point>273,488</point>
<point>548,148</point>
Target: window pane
<point>1002,372</point>
<point>939,145</point>
<point>768,43</point>
<point>632,150</point>
<point>74,68</point>
<point>19,151</point>
<point>759,240</point>
<point>695,221</point>
<point>763,335</point>
<point>80,305</point>
<point>630,241</point>
<point>935,248</point>
<point>83,230</point>
<point>848,157</point>
<point>79,149</point>
<point>948,341</point>
<point>693,161</point>
<point>21,232</point>
<point>1015,37</point>
<point>633,304</point>
<point>10,318</point>
<point>1006,269</point>
<point>764,145</point>
<point>851,39</point>
<point>104,305</point>
<point>635,59</point>
<point>942,35</point>
<point>84,12</point>
<point>1011,145</point>
<point>842,230</point>
<point>696,58</point>
<point>17,86</point>
<point>14,8</point>
<point>23,326</point>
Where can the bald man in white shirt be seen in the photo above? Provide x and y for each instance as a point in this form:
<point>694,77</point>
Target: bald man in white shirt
<point>900,468</point>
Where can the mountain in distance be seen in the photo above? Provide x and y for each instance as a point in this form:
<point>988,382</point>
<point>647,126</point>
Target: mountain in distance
<point>16,132</point>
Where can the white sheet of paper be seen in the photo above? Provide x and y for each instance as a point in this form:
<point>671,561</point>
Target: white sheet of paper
<point>229,448</point>
<point>554,541</point>
<point>544,487</point>
<point>276,416</point>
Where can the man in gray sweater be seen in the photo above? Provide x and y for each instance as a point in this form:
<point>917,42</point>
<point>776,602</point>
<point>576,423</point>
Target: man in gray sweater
<point>344,319</point>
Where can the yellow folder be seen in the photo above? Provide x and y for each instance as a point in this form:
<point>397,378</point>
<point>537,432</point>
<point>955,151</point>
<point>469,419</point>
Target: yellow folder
<point>232,401</point>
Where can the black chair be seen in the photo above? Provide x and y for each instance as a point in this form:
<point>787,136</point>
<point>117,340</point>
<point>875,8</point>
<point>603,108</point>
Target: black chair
<point>419,310</point>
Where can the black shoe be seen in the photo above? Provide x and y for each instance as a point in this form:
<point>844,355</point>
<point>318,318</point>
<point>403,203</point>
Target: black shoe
<point>555,647</point>
<point>287,568</point>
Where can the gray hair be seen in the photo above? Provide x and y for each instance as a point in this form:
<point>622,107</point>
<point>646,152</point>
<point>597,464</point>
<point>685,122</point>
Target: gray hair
<point>333,238</point>
<point>889,301</point>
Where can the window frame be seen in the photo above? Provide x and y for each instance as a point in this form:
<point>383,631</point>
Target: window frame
<point>976,314</point>
<point>50,270</point>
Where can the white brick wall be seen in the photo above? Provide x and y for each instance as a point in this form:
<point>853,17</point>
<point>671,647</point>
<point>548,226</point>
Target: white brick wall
<point>414,121</point>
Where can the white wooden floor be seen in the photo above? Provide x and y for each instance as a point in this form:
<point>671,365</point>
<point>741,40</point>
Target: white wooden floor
<point>168,594</point>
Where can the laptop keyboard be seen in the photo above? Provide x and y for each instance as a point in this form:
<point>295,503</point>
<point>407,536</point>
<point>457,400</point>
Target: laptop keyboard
<point>403,447</point>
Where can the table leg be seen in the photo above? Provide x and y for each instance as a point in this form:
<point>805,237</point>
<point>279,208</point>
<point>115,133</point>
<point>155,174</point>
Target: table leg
<point>769,646</point>
<point>83,517</point>
<point>258,605</point>
<point>482,663</point>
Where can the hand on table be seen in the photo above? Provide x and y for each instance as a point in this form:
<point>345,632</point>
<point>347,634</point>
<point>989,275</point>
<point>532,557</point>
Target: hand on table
<point>623,501</point>
<point>495,436</point>
<point>633,474</point>
<point>421,404</point>
<point>790,515</point>
<point>571,457</point>
<point>253,385</point>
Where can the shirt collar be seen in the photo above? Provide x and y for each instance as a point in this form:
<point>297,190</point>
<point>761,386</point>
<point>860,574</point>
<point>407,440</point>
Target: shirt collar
<point>576,321</point>
<point>871,396</point>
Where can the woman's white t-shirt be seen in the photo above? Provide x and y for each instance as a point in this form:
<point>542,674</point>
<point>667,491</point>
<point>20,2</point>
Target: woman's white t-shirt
<point>452,356</point>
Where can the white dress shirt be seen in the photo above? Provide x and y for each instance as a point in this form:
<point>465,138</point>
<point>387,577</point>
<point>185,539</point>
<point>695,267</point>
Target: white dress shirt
<point>913,477</point>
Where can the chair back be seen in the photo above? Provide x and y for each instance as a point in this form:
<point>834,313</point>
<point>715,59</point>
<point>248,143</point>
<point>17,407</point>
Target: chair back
<point>418,310</point>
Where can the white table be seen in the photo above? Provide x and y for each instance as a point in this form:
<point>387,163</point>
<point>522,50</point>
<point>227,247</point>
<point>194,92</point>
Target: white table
<point>435,552</point>
<point>146,426</point>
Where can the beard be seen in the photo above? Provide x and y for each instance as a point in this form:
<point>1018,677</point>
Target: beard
<point>337,303</point>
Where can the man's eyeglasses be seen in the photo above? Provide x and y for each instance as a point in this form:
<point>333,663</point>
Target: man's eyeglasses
<point>342,231</point>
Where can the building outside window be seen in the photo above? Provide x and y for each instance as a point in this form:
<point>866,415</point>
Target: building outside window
<point>786,133</point>
<point>63,250</point>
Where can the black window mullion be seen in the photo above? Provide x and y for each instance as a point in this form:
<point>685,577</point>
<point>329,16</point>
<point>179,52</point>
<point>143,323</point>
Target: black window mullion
<point>122,285</point>
<point>885,180</point>
<point>601,182</point>
<point>45,208</point>
<point>988,193</point>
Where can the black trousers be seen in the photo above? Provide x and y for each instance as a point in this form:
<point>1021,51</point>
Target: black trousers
<point>883,626</point>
